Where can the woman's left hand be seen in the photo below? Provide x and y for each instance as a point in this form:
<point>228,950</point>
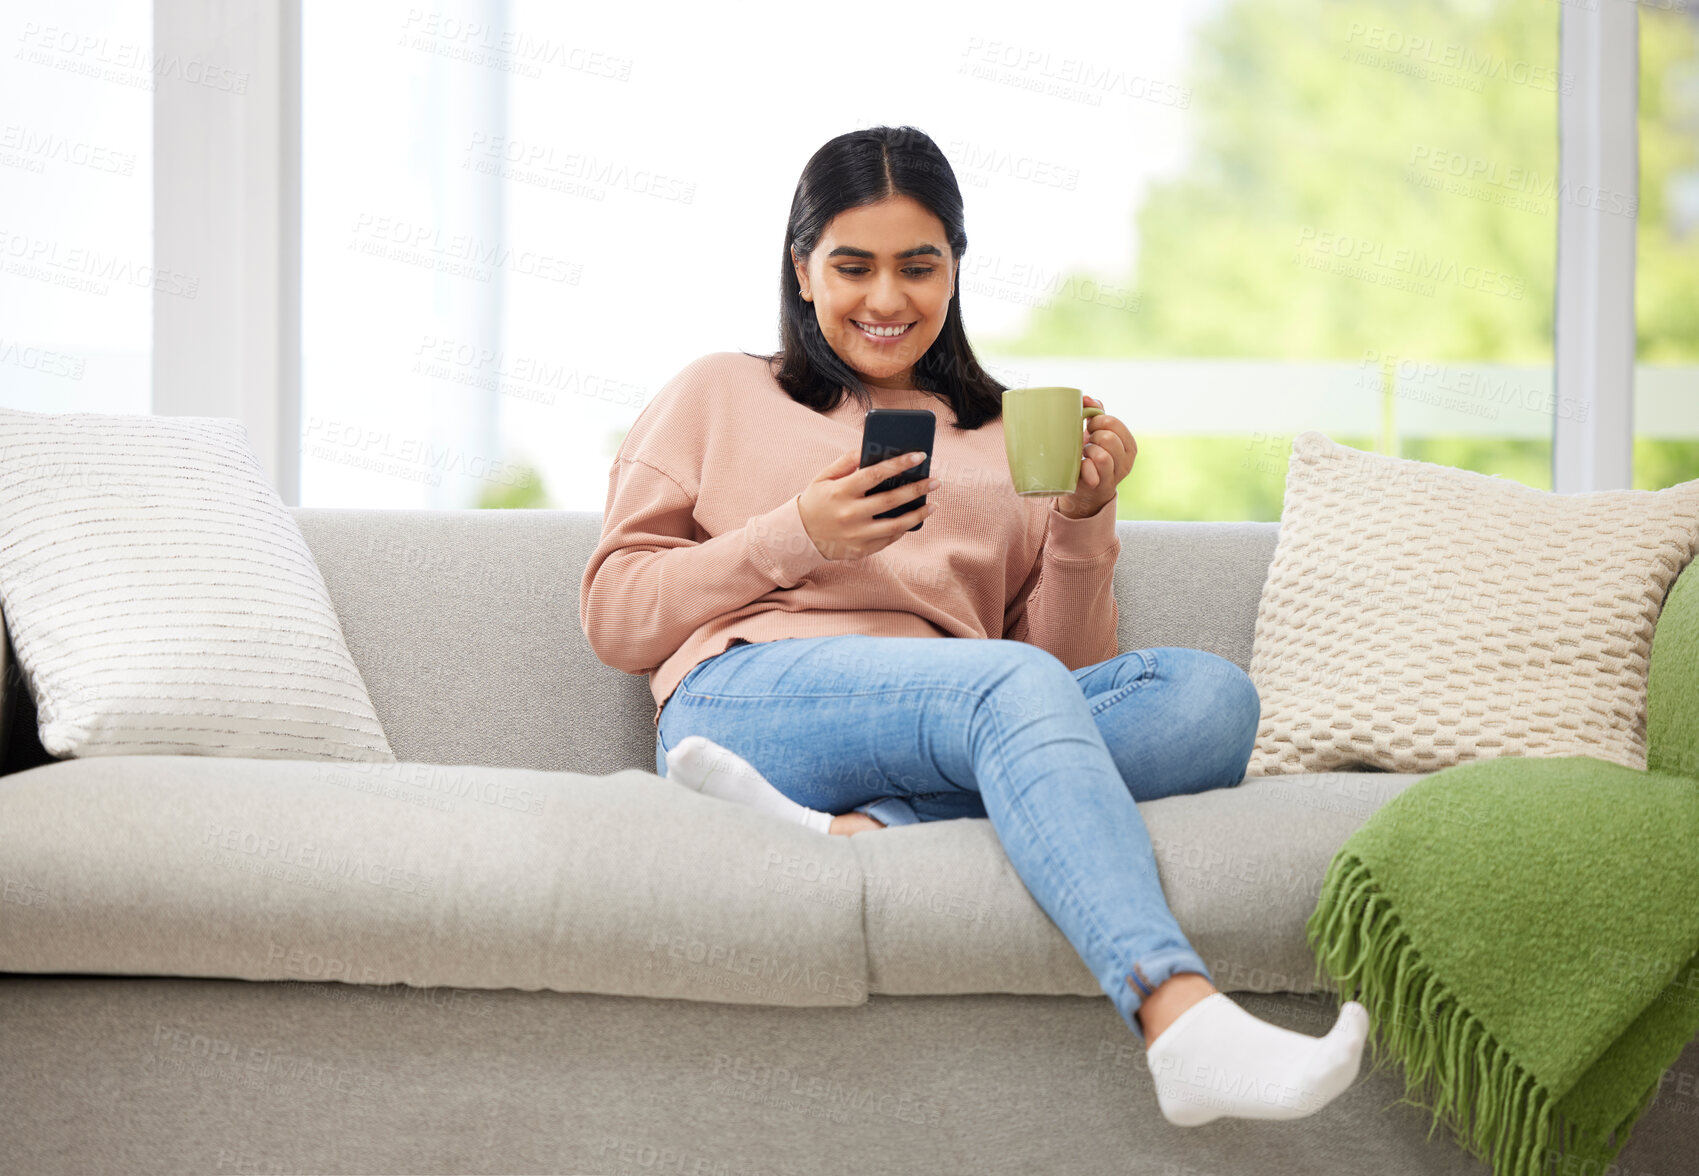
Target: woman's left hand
<point>1108,457</point>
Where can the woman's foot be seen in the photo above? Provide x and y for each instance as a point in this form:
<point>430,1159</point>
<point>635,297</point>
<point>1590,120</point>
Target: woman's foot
<point>849,824</point>
<point>701,764</point>
<point>1213,1058</point>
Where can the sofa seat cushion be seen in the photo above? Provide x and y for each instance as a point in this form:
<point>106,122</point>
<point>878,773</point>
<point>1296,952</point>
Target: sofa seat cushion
<point>1241,868</point>
<point>626,883</point>
<point>471,877</point>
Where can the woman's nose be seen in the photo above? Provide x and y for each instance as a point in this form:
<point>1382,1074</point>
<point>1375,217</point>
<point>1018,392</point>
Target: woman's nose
<point>885,300</point>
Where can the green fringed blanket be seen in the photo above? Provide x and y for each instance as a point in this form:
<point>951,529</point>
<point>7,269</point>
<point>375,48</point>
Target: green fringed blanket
<point>1525,931</point>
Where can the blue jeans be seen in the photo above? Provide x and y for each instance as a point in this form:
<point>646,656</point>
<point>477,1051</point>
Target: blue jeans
<point>914,729</point>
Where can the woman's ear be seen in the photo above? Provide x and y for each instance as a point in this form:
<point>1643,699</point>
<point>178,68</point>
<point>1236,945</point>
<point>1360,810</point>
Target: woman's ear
<point>801,278</point>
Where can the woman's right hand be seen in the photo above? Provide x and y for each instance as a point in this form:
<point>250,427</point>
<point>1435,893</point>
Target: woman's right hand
<point>837,512</point>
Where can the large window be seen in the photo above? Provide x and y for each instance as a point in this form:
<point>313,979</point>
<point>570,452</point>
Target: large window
<point>1233,221</point>
<point>77,279</point>
<point>1666,378</point>
<point>1361,241</point>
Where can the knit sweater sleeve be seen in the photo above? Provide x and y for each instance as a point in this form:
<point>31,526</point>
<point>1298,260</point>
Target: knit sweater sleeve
<point>650,583</point>
<point>1067,603</point>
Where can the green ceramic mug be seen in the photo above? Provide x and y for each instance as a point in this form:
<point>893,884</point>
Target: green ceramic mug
<point>1041,431</point>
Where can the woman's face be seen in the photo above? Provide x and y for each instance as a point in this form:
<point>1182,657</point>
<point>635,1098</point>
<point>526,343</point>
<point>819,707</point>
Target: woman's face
<point>885,265</point>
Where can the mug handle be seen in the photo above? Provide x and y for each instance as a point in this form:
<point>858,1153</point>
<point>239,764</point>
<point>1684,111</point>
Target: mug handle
<point>1091,410</point>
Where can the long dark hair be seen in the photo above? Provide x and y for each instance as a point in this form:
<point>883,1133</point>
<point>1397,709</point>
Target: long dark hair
<point>864,167</point>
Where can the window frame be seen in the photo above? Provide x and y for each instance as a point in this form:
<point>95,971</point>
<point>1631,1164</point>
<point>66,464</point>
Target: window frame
<point>1594,317</point>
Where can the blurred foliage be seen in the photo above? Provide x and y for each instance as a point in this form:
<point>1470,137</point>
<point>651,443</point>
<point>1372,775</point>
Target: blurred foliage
<point>1320,219</point>
<point>1667,260</point>
<point>1664,463</point>
<point>1236,477</point>
<point>526,493</point>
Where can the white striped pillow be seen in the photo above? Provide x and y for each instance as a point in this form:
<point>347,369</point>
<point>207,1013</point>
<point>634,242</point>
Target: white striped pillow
<point>162,600</point>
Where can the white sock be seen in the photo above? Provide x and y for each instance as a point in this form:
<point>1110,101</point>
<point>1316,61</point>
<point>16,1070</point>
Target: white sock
<point>1218,1059</point>
<point>704,766</point>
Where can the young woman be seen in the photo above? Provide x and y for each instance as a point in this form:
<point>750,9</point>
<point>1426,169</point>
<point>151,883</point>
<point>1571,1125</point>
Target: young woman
<point>794,641</point>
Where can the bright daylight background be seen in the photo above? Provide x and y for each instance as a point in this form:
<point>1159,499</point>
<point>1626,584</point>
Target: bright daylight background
<point>1231,221</point>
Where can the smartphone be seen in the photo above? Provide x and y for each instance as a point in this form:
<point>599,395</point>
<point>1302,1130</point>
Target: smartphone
<point>887,432</point>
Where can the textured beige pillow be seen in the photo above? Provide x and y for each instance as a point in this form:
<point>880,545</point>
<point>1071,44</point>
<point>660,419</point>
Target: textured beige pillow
<point>1417,616</point>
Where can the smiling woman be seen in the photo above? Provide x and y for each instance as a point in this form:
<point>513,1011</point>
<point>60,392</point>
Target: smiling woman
<point>794,638</point>
<point>878,303</point>
<point>869,295</point>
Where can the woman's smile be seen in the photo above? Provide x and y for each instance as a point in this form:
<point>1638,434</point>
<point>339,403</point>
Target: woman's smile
<point>882,334</point>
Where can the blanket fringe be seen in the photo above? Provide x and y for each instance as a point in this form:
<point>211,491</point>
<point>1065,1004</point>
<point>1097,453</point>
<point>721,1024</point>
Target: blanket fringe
<point>1496,1109</point>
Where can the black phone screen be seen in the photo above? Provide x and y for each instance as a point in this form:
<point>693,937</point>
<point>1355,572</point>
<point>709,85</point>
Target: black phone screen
<point>887,432</point>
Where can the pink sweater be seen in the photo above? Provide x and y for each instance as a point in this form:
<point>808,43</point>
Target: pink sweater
<point>702,540</point>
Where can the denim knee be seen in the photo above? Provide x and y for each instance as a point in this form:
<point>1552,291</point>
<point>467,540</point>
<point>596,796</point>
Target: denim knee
<point>1234,702</point>
<point>1029,675</point>
<point>1240,699</point>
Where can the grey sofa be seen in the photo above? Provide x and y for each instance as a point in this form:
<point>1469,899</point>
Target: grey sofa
<point>520,950</point>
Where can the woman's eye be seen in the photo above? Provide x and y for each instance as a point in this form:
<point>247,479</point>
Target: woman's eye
<point>915,271</point>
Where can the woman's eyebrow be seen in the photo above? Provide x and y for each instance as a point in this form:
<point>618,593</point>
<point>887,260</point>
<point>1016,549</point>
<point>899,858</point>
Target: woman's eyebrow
<point>852,251</point>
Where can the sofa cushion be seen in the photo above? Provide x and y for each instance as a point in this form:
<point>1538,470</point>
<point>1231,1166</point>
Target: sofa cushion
<point>161,600</point>
<point>1418,616</point>
<point>1194,585</point>
<point>1241,868</point>
<point>470,877</point>
<point>478,877</point>
<point>465,625</point>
